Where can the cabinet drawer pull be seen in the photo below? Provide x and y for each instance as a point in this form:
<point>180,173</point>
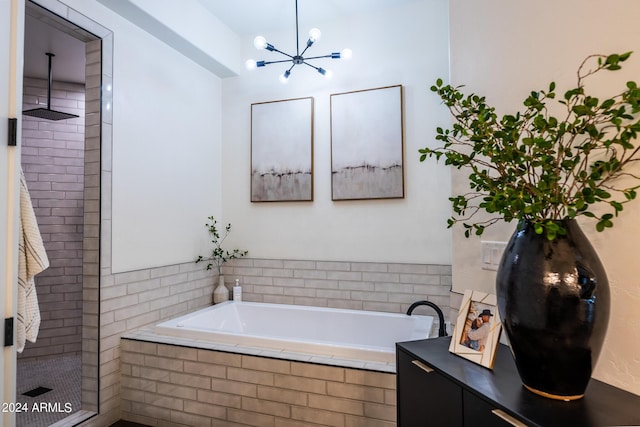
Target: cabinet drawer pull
<point>508,418</point>
<point>422,366</point>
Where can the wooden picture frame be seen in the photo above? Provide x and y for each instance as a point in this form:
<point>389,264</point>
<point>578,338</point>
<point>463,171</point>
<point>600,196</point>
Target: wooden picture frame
<point>282,150</point>
<point>477,329</point>
<point>367,147</point>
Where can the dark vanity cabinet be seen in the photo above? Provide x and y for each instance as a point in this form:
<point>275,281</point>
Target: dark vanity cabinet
<point>419,384</point>
<point>439,389</point>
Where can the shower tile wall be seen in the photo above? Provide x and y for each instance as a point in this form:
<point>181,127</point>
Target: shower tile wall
<point>53,163</point>
<point>91,232</point>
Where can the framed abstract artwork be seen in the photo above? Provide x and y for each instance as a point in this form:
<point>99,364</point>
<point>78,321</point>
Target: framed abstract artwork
<point>367,144</point>
<point>477,329</point>
<point>282,150</point>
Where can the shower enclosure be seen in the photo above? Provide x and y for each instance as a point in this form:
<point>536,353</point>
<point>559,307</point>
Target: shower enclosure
<point>60,157</point>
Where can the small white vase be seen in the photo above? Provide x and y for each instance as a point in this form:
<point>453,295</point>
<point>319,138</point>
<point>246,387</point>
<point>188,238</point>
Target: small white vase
<point>220,293</point>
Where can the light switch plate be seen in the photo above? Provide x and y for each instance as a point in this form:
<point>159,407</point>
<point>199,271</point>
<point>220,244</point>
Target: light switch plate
<point>492,254</point>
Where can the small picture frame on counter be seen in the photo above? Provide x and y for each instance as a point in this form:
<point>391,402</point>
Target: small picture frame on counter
<point>477,328</point>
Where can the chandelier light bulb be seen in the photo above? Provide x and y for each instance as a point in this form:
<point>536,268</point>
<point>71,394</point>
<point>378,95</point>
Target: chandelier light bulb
<point>314,35</point>
<point>328,74</point>
<point>250,64</point>
<point>346,53</point>
<point>260,42</point>
<point>284,78</point>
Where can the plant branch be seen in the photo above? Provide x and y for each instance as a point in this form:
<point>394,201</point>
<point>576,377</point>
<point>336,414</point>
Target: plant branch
<point>533,166</point>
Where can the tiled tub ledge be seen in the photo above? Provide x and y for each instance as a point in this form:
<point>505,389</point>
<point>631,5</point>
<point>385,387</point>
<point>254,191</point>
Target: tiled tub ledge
<point>175,381</point>
<point>147,334</point>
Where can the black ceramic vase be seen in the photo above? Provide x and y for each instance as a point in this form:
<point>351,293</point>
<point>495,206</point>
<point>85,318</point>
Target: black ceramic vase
<point>553,298</point>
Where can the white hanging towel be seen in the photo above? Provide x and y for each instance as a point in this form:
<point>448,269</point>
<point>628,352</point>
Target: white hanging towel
<point>32,259</point>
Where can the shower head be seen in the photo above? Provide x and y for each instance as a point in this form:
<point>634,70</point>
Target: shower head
<point>48,113</point>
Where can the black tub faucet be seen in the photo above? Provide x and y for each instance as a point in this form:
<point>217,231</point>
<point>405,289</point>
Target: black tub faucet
<point>442,331</point>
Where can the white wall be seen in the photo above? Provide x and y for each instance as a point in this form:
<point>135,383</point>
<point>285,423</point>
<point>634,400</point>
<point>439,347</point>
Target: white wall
<point>166,147</point>
<point>166,152</point>
<point>405,45</point>
<point>506,49</point>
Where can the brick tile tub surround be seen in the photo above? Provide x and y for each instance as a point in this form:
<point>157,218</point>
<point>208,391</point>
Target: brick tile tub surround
<point>165,384</point>
<point>175,383</point>
<point>375,286</point>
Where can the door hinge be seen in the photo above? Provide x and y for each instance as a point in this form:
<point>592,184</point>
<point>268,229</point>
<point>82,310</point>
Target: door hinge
<point>8,332</point>
<point>13,132</point>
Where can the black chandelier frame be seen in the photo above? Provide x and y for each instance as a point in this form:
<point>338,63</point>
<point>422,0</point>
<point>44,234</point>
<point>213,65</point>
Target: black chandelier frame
<point>298,58</point>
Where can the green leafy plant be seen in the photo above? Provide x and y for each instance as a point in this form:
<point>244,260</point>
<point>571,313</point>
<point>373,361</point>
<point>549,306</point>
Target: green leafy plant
<point>218,255</point>
<point>538,167</point>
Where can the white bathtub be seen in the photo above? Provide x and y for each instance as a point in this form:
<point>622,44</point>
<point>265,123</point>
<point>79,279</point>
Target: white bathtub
<point>347,334</point>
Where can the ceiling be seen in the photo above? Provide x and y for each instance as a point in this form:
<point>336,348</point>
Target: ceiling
<point>251,17</point>
<point>46,33</point>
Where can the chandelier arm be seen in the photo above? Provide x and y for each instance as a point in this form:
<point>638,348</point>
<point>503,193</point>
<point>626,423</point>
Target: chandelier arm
<point>317,57</point>
<point>277,62</point>
<point>305,49</point>
<point>283,53</point>
<point>312,66</point>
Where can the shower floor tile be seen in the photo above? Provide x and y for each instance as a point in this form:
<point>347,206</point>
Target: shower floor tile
<point>62,376</point>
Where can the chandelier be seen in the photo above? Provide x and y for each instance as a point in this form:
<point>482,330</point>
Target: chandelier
<point>298,59</point>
